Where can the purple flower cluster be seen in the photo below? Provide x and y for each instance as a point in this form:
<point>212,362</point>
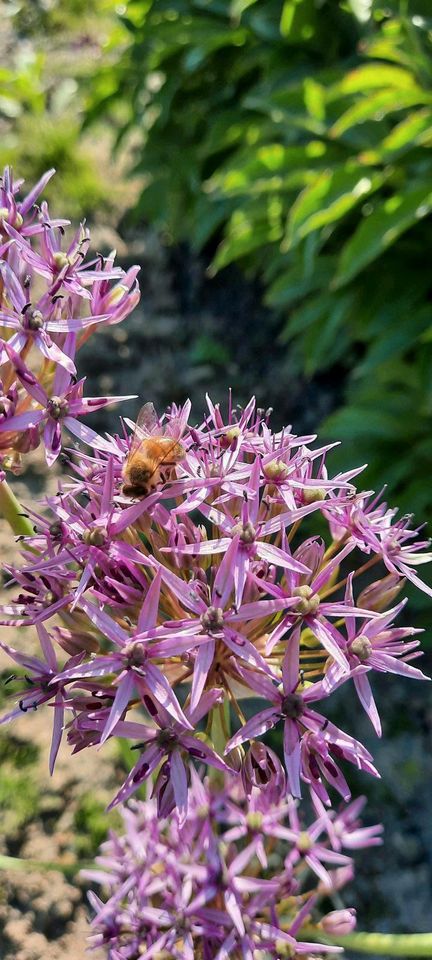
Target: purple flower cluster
<point>201,616</point>
<point>241,878</point>
<point>192,610</point>
<point>51,301</point>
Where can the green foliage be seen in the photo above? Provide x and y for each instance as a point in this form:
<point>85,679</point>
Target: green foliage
<point>297,137</point>
<point>91,823</point>
<point>47,54</point>
<point>19,795</point>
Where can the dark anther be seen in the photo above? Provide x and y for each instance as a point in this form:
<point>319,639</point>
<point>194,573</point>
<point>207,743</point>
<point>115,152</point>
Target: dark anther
<point>31,706</point>
<point>58,296</point>
<point>138,746</point>
<point>26,307</point>
<point>13,676</point>
<point>28,680</point>
<point>148,702</point>
<point>325,724</point>
<point>18,539</point>
<point>62,230</point>
<point>27,281</point>
<point>141,773</point>
<point>245,496</point>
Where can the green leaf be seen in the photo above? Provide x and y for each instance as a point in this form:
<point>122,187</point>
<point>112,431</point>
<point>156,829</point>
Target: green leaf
<point>411,130</point>
<point>314,98</point>
<point>293,285</point>
<point>378,105</point>
<point>370,422</point>
<point>332,194</point>
<point>380,230</point>
<point>372,76</point>
<point>396,341</point>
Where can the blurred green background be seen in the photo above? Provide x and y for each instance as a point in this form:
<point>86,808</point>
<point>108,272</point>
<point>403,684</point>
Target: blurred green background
<point>269,164</point>
<point>293,138</point>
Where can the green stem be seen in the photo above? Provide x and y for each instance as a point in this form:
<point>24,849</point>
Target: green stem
<point>12,511</point>
<point>220,733</point>
<point>42,866</point>
<point>387,944</point>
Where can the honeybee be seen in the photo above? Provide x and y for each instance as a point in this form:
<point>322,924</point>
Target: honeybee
<point>153,455</point>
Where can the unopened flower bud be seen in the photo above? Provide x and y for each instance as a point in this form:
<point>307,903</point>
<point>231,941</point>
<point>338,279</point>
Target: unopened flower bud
<point>381,594</point>
<point>339,923</point>
<point>262,769</point>
<point>75,641</point>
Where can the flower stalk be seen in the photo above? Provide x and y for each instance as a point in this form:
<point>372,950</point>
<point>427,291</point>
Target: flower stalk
<point>12,511</point>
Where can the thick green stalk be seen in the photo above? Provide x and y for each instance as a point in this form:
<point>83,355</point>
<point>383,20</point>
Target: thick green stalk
<point>387,944</point>
<point>12,511</point>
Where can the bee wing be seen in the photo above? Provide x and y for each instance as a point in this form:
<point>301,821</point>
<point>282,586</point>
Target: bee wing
<point>147,422</point>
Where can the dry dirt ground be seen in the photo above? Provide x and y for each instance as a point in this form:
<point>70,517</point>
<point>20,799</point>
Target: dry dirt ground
<point>43,913</point>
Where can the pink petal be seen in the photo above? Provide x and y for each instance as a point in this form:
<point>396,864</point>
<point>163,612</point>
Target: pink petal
<point>179,782</point>
<point>120,703</point>
<point>203,662</point>
<point>292,756</point>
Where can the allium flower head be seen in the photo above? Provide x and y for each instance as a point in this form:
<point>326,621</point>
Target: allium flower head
<point>51,300</point>
<point>207,612</point>
<point>173,891</point>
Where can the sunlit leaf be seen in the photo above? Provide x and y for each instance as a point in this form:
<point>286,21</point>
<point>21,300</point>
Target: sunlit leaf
<point>381,229</point>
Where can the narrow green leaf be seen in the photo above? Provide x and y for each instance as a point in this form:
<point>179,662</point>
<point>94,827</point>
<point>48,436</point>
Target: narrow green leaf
<point>380,230</point>
<point>378,105</point>
<point>373,76</point>
<point>332,194</point>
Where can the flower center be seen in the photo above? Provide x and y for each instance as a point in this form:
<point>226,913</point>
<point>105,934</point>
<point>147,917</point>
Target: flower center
<point>308,601</point>
<point>33,320</point>
<point>304,842</point>
<point>57,408</point>
<point>60,260</point>
<point>212,620</point>
<point>362,647</point>
<point>276,470</point>
<point>313,494</point>
<point>135,654</point>
<point>246,530</point>
<point>292,706</point>
<point>95,537</point>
